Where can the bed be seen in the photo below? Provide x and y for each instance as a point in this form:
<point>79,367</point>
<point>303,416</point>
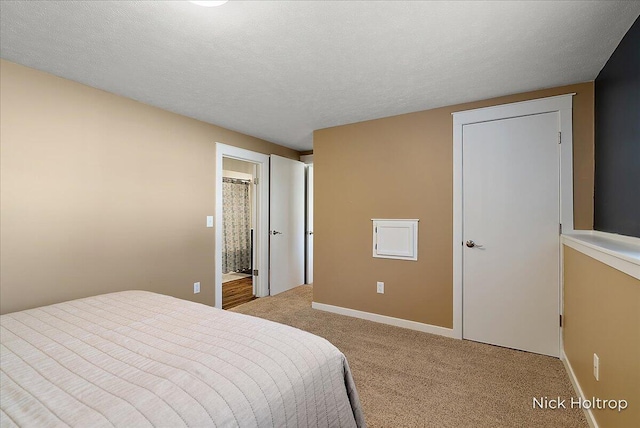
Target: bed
<point>139,359</point>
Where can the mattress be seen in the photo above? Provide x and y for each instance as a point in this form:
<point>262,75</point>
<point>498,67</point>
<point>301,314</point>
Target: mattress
<point>138,359</point>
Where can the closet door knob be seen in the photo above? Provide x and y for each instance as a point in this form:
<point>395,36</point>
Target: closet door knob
<point>275,232</point>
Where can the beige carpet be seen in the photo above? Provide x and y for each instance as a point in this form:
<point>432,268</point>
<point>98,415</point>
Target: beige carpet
<point>411,379</point>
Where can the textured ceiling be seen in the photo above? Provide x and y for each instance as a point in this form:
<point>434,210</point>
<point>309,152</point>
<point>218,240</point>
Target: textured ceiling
<point>279,70</point>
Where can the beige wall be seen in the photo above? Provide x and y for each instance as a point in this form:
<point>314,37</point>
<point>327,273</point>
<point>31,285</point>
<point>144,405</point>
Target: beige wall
<point>101,193</point>
<point>235,165</point>
<point>602,316</point>
<point>402,167</point>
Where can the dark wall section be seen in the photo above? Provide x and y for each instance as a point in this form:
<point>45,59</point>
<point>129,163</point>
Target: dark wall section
<point>617,151</point>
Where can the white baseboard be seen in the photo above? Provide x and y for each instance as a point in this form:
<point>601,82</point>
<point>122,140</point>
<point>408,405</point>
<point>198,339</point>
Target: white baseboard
<point>383,319</point>
<point>576,386</point>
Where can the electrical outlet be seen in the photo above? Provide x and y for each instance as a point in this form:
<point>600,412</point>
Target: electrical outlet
<point>380,287</point>
<point>196,287</point>
<point>596,366</point>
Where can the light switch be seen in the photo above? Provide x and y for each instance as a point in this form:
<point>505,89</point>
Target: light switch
<point>209,221</point>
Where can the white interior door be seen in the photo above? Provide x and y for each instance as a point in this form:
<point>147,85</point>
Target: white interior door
<point>511,214</point>
<point>287,224</point>
<point>309,224</point>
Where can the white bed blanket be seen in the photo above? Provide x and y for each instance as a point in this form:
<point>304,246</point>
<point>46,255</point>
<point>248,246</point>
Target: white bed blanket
<point>138,359</point>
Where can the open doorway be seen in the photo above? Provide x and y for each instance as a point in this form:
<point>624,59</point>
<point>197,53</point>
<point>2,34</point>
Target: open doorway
<point>238,226</point>
<point>285,223</point>
<point>251,170</point>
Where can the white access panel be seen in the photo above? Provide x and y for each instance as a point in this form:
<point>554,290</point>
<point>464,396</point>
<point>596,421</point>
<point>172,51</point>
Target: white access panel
<point>395,239</point>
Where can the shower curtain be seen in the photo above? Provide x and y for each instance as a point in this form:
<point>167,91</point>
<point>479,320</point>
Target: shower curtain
<point>236,226</point>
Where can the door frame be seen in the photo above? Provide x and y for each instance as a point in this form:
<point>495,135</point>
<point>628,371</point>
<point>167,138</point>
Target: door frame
<point>561,104</point>
<point>261,234</point>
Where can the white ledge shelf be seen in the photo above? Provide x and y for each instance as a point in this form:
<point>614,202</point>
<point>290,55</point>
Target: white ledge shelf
<point>618,251</point>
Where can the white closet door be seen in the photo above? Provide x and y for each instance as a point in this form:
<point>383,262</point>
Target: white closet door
<point>310,224</point>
